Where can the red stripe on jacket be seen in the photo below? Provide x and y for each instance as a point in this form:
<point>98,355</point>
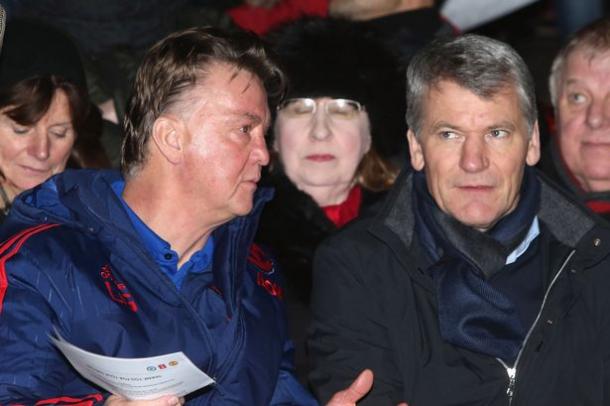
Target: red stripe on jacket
<point>9,249</point>
<point>88,400</point>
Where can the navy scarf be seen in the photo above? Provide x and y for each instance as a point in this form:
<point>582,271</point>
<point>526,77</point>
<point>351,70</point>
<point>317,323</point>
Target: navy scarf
<point>472,313</point>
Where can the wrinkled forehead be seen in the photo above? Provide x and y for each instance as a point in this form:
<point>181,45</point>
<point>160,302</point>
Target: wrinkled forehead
<point>590,56</point>
<point>223,83</point>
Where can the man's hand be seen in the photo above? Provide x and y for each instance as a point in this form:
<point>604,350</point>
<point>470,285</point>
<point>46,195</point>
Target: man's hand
<point>168,400</point>
<point>356,391</point>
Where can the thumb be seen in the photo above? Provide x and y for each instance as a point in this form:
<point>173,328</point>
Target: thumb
<point>360,387</point>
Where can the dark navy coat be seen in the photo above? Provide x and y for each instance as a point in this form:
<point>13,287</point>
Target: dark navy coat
<point>71,259</point>
<point>372,274</point>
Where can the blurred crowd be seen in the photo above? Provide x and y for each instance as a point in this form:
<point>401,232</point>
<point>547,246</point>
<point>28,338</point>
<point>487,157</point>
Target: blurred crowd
<point>337,139</point>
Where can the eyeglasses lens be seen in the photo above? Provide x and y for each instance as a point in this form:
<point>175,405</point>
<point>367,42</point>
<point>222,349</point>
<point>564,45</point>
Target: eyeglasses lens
<point>335,108</point>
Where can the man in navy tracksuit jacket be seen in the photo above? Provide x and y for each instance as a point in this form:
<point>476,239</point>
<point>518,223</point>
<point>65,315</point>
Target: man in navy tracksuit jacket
<point>76,262</point>
<point>159,259</point>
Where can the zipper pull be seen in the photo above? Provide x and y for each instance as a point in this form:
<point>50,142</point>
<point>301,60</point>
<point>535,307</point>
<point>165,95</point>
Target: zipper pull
<point>510,390</point>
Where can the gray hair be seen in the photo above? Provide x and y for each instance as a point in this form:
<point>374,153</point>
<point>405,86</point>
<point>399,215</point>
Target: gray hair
<point>594,38</point>
<point>482,65</point>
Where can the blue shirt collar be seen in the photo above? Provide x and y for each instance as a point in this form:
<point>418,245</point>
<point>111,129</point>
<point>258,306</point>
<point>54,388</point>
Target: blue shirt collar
<point>532,233</point>
<point>161,251</point>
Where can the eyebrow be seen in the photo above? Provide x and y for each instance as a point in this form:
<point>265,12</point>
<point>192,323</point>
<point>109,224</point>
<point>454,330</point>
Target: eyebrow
<point>572,82</point>
<point>443,124</point>
<point>502,124</point>
<point>255,118</point>
<point>66,123</point>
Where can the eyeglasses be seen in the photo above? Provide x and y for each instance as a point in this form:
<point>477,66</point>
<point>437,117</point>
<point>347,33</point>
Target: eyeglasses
<point>343,109</point>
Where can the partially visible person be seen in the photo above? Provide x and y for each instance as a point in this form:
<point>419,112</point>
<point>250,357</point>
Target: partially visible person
<point>369,9</point>
<point>46,118</point>
<point>403,26</point>
<point>158,259</point>
<point>578,153</point>
<point>112,36</point>
<point>325,169</point>
<point>478,283</point>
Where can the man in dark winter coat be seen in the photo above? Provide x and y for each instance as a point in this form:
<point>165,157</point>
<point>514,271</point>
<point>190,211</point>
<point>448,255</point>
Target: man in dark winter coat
<point>159,259</point>
<point>578,155</point>
<point>478,283</point>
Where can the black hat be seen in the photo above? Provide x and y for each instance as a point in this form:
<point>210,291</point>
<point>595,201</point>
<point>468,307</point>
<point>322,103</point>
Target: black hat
<point>339,58</point>
<point>33,49</point>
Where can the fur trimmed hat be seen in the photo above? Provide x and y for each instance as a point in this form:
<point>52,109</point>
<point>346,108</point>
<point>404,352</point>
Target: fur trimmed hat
<point>327,57</point>
<point>33,49</point>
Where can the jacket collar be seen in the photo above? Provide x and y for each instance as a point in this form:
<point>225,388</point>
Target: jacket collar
<point>565,219</point>
<point>232,243</point>
<point>397,213</point>
<point>83,199</point>
<point>562,215</point>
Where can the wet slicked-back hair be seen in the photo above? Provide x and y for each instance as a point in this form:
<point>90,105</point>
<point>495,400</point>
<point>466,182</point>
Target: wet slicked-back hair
<point>594,38</point>
<point>480,64</point>
<point>176,64</point>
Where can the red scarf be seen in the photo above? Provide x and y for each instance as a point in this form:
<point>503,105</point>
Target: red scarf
<point>599,206</point>
<point>342,213</point>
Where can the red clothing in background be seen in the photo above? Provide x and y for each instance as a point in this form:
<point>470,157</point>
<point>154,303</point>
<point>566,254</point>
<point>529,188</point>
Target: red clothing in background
<point>342,213</point>
<point>261,20</point>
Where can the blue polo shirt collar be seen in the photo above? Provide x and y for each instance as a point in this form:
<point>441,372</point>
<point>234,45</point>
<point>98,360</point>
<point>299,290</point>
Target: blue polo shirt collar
<point>162,252</point>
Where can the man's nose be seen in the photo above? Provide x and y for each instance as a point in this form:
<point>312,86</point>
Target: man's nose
<point>598,113</point>
<point>40,145</point>
<point>320,129</point>
<point>260,151</point>
<point>473,156</point>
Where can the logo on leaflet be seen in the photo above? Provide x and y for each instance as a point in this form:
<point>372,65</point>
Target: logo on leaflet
<point>153,368</point>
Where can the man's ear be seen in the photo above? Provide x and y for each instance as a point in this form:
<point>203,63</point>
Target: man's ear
<point>168,135</point>
<point>533,146</point>
<point>417,154</point>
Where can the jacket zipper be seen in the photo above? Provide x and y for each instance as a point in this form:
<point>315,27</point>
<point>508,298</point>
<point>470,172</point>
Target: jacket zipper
<point>512,372</point>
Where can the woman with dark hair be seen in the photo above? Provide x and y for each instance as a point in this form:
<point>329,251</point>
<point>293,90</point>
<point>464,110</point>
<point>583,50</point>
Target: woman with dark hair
<point>344,101</point>
<point>46,118</point>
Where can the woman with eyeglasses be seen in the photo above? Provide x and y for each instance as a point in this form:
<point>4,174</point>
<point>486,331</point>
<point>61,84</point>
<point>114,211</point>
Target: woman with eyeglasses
<point>344,98</point>
<point>46,118</point>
